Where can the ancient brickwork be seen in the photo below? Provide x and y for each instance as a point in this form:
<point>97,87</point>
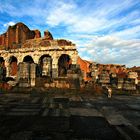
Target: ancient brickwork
<point>85,67</point>
<point>25,56</point>
<point>48,35</point>
<point>16,35</point>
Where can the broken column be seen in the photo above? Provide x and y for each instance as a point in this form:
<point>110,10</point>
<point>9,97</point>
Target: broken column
<point>32,74</point>
<point>74,76</point>
<point>47,66</point>
<point>54,68</point>
<point>23,74</point>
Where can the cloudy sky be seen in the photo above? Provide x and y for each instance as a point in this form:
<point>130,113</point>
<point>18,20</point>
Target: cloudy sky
<point>105,31</point>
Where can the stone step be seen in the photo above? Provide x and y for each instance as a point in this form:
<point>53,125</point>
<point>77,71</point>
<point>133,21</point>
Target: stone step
<point>35,100</point>
<point>45,112</point>
<point>85,112</point>
<point>15,113</point>
<point>65,113</point>
<point>30,106</point>
<point>54,112</point>
<point>25,110</point>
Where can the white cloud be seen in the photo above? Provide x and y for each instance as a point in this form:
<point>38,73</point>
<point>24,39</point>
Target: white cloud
<point>94,26</point>
<point>75,20</point>
<point>11,23</point>
<point>61,13</point>
<point>92,17</point>
<point>128,33</point>
<point>102,20</point>
<point>109,49</point>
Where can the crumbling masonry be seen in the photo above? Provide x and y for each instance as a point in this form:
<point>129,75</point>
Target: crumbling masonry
<point>32,60</point>
<point>24,55</point>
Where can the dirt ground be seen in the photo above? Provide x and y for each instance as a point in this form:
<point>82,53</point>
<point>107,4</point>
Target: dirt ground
<point>57,114</point>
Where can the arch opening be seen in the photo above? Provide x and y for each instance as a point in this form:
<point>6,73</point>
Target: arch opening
<point>13,68</point>
<point>64,63</point>
<point>45,65</point>
<point>1,60</point>
<point>28,59</point>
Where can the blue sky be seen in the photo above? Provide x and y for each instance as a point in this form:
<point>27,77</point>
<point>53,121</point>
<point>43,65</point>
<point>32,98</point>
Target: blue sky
<point>104,31</point>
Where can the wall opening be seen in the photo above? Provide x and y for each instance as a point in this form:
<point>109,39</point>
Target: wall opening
<point>28,59</point>
<point>13,66</point>
<point>45,65</point>
<point>64,63</point>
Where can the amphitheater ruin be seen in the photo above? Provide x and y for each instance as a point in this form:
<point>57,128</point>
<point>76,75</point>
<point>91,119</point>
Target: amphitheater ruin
<point>29,60</point>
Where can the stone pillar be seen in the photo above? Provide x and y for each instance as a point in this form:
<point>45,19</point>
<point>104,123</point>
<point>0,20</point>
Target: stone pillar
<point>24,74</point>
<point>18,71</point>
<point>7,68</point>
<point>32,74</point>
<point>36,58</point>
<point>19,59</point>
<point>54,68</point>
<point>74,58</point>
<point>47,66</point>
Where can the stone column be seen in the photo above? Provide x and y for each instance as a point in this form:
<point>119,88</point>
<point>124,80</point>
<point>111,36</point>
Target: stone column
<point>32,74</point>
<point>54,68</point>
<point>74,58</point>
<point>7,68</point>
<point>35,58</point>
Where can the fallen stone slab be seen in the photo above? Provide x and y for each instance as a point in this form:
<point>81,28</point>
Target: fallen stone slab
<point>134,106</point>
<point>85,112</point>
<point>114,117</point>
<point>45,112</point>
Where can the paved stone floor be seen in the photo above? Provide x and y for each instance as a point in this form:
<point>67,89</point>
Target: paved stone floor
<point>64,117</point>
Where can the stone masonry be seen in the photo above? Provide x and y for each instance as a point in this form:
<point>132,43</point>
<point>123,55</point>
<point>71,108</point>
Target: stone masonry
<point>19,44</point>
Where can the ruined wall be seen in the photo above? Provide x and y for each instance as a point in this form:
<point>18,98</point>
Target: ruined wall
<point>16,35</point>
<point>19,41</point>
<point>37,33</point>
<point>2,41</point>
<point>84,65</point>
<point>36,54</point>
<point>48,35</point>
<point>111,68</point>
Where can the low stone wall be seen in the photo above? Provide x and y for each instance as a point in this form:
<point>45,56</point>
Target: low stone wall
<point>64,83</point>
<point>57,84</point>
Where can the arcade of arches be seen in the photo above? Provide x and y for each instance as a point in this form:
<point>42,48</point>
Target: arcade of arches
<point>55,65</point>
<point>24,54</point>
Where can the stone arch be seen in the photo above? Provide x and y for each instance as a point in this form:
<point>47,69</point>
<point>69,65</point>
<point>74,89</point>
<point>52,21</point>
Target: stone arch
<point>74,57</point>
<point>28,59</point>
<point>64,63</point>
<point>13,66</point>
<point>45,65</point>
